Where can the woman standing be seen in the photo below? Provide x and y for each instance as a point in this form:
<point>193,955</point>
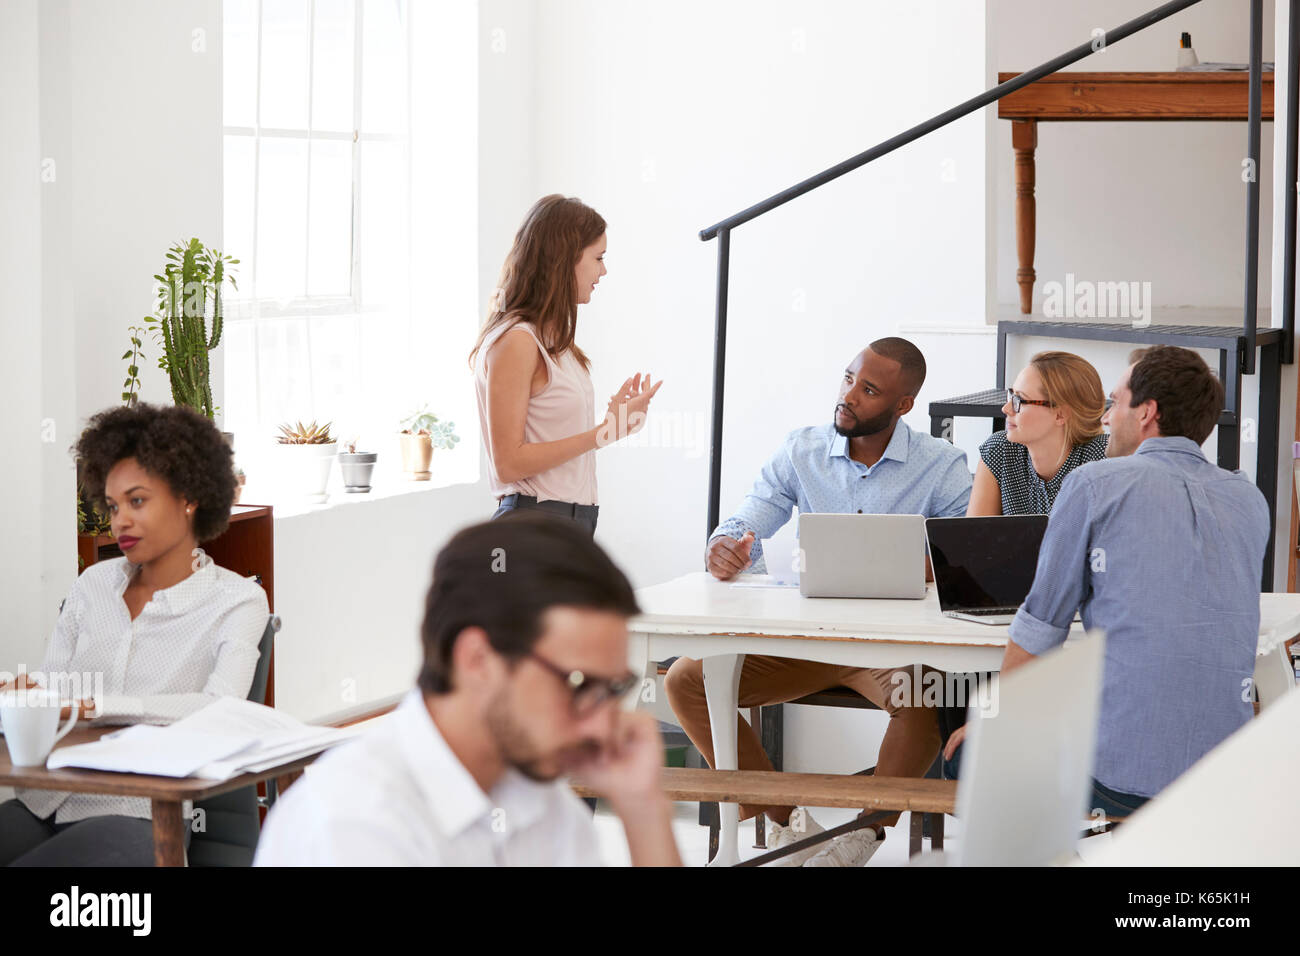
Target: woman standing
<point>1053,414</point>
<point>536,406</point>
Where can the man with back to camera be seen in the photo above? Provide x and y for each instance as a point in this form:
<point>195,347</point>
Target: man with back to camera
<point>867,461</point>
<point>525,664</point>
<point>1164,551</point>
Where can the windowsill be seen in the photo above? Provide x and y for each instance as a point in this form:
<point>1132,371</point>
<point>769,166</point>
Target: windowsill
<point>385,485</point>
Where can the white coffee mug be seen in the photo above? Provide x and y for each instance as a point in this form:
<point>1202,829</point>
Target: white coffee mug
<point>31,724</point>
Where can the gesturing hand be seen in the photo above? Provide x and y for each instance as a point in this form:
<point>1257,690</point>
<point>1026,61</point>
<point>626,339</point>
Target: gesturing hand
<point>626,413</point>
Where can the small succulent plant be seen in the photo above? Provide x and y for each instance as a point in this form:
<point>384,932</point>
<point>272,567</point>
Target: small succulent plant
<point>423,422</point>
<point>300,434</point>
<point>443,435</point>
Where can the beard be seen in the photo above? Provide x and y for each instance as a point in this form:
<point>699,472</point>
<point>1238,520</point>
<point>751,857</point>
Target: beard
<point>862,427</point>
<point>520,751</point>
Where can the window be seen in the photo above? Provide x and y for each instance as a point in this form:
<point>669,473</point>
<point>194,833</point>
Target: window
<point>316,207</point>
<point>327,119</point>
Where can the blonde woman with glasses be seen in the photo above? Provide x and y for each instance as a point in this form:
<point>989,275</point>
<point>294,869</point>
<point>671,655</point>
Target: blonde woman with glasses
<point>1053,413</point>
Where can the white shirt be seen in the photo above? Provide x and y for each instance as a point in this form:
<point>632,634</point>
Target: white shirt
<point>399,796</point>
<point>193,642</point>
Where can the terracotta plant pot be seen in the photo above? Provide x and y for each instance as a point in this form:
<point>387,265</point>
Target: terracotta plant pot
<point>417,453</point>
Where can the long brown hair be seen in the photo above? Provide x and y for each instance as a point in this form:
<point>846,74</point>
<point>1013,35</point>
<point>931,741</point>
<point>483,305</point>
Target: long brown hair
<point>1071,381</point>
<point>537,283</point>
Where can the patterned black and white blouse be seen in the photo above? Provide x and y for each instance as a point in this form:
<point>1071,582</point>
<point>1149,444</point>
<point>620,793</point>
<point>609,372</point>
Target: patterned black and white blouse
<point>1024,492</point>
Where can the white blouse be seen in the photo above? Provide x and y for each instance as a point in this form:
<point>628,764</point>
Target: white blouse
<point>193,642</point>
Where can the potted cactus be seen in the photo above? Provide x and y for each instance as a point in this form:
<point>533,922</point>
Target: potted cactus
<point>421,433</point>
<point>307,453</point>
<point>356,467</point>
<point>189,293</point>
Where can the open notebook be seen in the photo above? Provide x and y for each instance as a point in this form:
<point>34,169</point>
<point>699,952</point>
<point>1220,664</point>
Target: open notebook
<point>223,740</point>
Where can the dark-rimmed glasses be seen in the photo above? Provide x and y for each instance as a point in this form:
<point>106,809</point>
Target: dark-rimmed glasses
<point>589,693</point>
<point>1015,401</point>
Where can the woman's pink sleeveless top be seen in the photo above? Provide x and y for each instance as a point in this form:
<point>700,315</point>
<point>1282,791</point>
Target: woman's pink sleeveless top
<point>566,406</point>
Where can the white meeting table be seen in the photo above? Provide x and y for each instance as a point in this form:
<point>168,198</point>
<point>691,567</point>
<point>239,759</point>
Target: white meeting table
<point>700,617</point>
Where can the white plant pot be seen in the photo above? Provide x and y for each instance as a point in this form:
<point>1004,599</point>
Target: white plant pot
<point>305,469</point>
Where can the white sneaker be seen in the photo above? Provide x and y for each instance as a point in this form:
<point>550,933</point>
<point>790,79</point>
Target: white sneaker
<point>852,849</point>
<point>801,826</point>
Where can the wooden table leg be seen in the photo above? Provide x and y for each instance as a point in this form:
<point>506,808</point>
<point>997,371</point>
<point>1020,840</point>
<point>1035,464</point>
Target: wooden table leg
<point>168,834</point>
<point>283,783</point>
<point>1024,140</point>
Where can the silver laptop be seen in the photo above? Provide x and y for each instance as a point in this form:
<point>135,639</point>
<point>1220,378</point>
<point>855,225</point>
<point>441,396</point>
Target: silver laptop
<point>862,556</point>
<point>984,567</point>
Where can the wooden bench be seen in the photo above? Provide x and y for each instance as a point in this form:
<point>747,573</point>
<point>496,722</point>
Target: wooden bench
<point>768,724</point>
<point>884,795</point>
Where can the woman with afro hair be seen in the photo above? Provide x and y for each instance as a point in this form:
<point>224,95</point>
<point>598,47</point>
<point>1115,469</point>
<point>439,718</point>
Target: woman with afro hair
<point>165,629</point>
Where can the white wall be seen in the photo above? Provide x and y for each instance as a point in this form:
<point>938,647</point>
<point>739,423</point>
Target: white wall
<point>671,116</point>
<point>131,89</point>
<point>22,558</point>
<point>127,161</point>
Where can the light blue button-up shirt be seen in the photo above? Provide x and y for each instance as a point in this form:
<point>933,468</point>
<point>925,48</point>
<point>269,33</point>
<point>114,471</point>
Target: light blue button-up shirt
<point>812,470</point>
<point>1164,551</point>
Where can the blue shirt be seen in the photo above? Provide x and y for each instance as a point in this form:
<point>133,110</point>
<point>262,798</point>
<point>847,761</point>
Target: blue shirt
<point>1164,551</point>
<point>917,474</point>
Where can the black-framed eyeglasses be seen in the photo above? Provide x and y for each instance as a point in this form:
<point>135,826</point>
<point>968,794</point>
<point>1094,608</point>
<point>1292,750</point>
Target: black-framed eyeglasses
<point>1015,401</point>
<point>589,693</point>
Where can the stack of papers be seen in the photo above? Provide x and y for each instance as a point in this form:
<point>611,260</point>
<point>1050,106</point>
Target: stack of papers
<point>223,740</point>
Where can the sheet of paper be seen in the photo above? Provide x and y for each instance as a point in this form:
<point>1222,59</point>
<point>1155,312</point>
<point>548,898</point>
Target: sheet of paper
<point>150,750</point>
<point>229,715</point>
<point>255,762</point>
<point>276,752</point>
<point>766,581</point>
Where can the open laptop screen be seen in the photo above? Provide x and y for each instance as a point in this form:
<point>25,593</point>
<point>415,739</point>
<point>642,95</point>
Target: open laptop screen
<point>984,562</point>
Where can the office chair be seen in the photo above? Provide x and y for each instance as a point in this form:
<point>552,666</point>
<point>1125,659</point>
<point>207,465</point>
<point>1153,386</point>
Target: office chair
<point>232,823</point>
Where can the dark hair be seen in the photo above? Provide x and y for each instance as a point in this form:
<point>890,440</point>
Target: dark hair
<point>172,442</point>
<point>908,356</point>
<point>502,576</point>
<point>1188,396</point>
